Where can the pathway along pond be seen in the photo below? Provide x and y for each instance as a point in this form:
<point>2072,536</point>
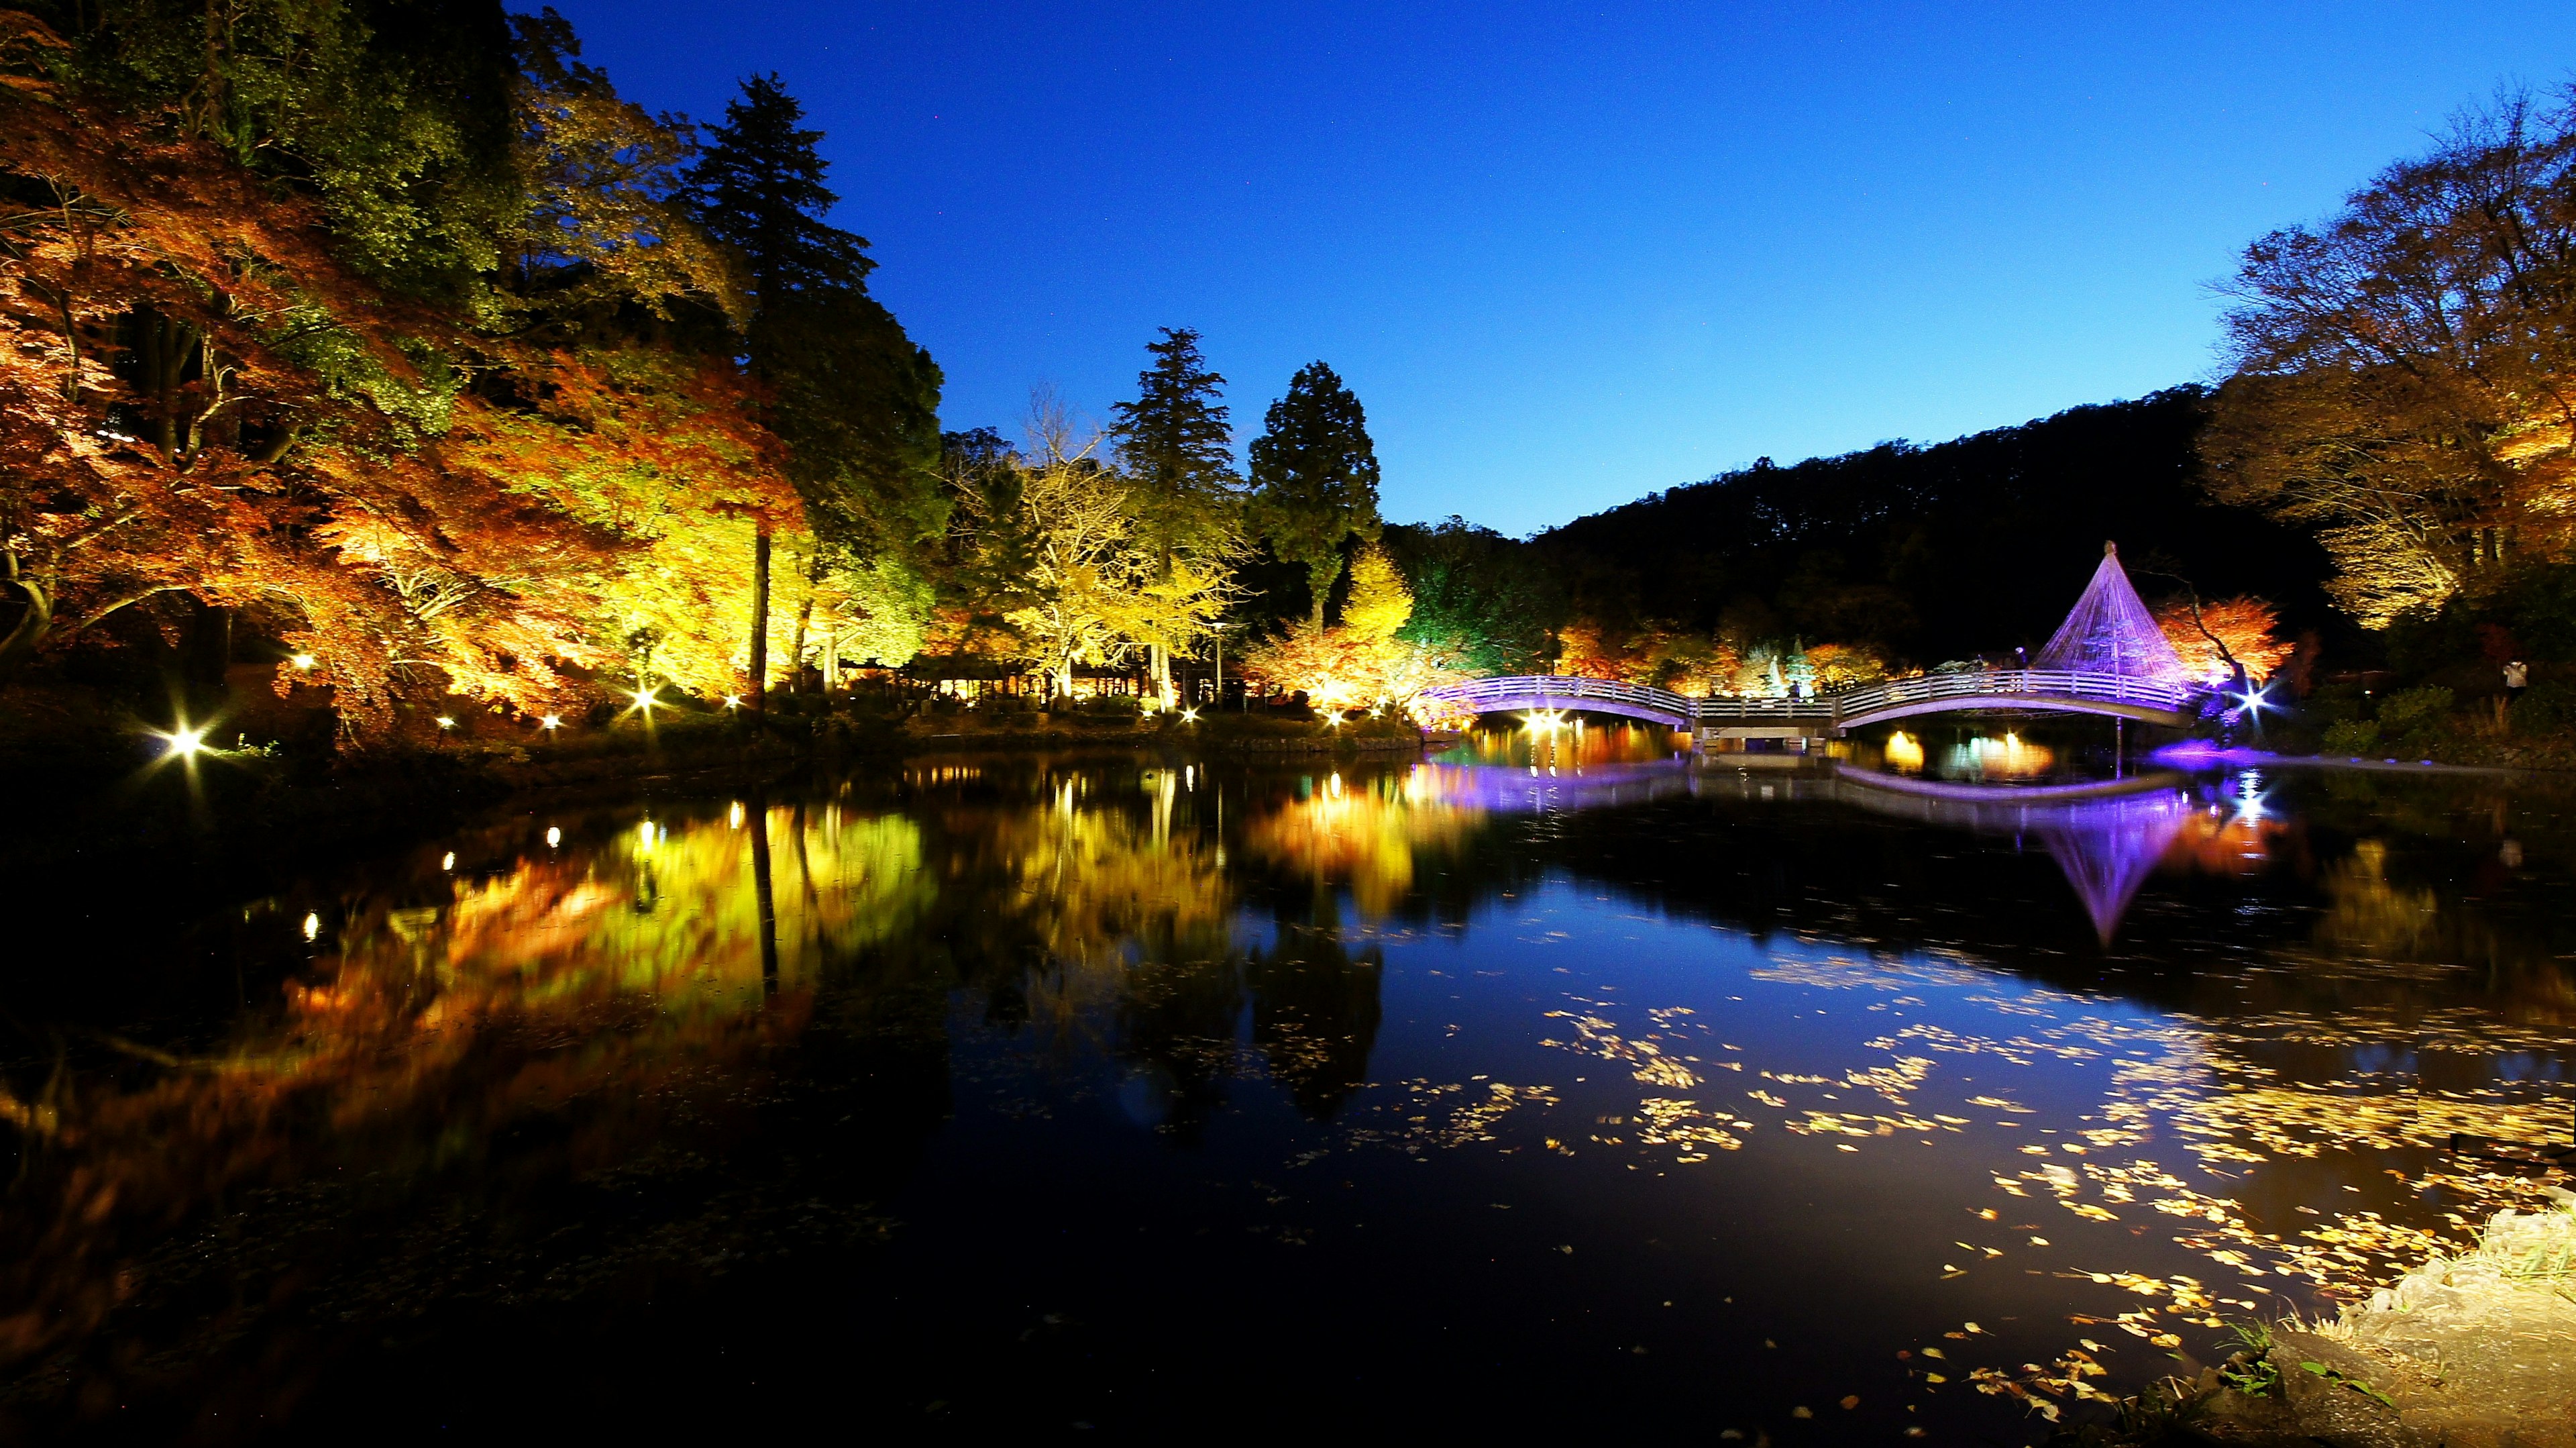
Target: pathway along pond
<point>1155,1093</point>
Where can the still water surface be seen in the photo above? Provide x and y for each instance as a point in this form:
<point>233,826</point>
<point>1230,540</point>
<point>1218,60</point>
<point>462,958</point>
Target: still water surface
<point>1554,1083</point>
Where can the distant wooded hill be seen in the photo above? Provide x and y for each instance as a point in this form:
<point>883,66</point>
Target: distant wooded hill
<point>1936,552</point>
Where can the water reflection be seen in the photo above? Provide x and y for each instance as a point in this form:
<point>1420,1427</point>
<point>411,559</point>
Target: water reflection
<point>1412,1021</point>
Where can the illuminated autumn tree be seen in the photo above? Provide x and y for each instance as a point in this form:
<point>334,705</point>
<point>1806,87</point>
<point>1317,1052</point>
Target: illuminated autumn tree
<point>1379,603</point>
<point>2213,637</point>
<point>204,399</point>
<point>1361,662</point>
<point>2406,371</point>
<point>1067,552</point>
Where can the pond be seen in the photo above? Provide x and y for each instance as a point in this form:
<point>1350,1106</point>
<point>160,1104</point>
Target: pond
<point>1561,1082</point>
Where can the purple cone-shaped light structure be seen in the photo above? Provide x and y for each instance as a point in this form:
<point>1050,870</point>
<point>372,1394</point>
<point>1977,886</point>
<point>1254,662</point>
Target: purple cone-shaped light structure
<point>2109,631</point>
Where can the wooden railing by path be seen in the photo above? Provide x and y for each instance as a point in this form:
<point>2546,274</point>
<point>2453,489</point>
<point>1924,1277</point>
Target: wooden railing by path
<point>1984,688</point>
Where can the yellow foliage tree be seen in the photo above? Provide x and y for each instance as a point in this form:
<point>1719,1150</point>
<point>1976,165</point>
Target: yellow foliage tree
<point>1379,603</point>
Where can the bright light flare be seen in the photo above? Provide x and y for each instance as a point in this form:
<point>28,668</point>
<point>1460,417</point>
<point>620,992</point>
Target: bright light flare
<point>554,836</point>
<point>645,699</point>
<point>302,661</point>
<point>446,721</point>
<point>312,927</point>
<point>733,701</point>
<point>184,742</point>
<point>551,722</point>
<point>1189,716</point>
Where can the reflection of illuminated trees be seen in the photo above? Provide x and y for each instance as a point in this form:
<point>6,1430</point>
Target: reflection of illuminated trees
<point>2370,914</point>
<point>592,993</point>
<point>1104,919</point>
<point>1315,1014</point>
<point>1364,835</point>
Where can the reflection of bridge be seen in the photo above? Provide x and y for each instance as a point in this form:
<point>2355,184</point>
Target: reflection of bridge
<point>2154,701</point>
<point>2109,657</point>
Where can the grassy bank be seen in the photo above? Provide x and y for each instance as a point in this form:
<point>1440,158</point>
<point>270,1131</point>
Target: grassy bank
<point>2472,1348</point>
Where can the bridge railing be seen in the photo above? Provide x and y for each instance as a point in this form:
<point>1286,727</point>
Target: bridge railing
<point>1732,708</point>
<point>1562,690</point>
<point>2050,683</point>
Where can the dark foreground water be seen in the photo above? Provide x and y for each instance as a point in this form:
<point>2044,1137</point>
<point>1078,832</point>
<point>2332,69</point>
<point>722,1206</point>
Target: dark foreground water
<point>1571,1089</point>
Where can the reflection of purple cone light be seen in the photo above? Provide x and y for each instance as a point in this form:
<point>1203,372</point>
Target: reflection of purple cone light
<point>2106,846</point>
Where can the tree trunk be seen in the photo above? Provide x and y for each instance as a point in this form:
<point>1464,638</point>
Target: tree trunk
<point>760,622</point>
<point>796,646</point>
<point>18,647</point>
<point>763,891</point>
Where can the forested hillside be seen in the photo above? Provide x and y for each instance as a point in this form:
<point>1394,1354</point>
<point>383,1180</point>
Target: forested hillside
<point>1935,552</point>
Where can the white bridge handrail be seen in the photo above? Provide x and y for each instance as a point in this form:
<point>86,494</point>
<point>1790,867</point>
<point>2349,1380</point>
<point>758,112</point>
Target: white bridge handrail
<point>1562,690</point>
<point>1555,690</point>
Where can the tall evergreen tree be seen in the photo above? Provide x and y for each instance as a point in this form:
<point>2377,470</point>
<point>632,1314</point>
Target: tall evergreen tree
<point>1314,475</point>
<point>855,400</point>
<point>1176,443</point>
<point>759,189</point>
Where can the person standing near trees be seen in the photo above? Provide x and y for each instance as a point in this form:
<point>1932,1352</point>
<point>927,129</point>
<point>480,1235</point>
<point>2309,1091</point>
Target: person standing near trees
<point>2517,677</point>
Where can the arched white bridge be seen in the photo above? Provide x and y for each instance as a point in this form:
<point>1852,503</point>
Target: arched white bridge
<point>2003,690</point>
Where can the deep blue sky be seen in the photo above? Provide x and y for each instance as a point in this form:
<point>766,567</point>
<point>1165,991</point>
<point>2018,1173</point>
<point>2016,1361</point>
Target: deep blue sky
<point>1568,255</point>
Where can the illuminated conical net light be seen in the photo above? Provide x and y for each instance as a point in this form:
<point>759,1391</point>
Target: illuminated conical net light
<point>2109,631</point>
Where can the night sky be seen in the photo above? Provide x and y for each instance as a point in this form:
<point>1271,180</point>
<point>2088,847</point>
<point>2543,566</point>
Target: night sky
<point>1569,255</point>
